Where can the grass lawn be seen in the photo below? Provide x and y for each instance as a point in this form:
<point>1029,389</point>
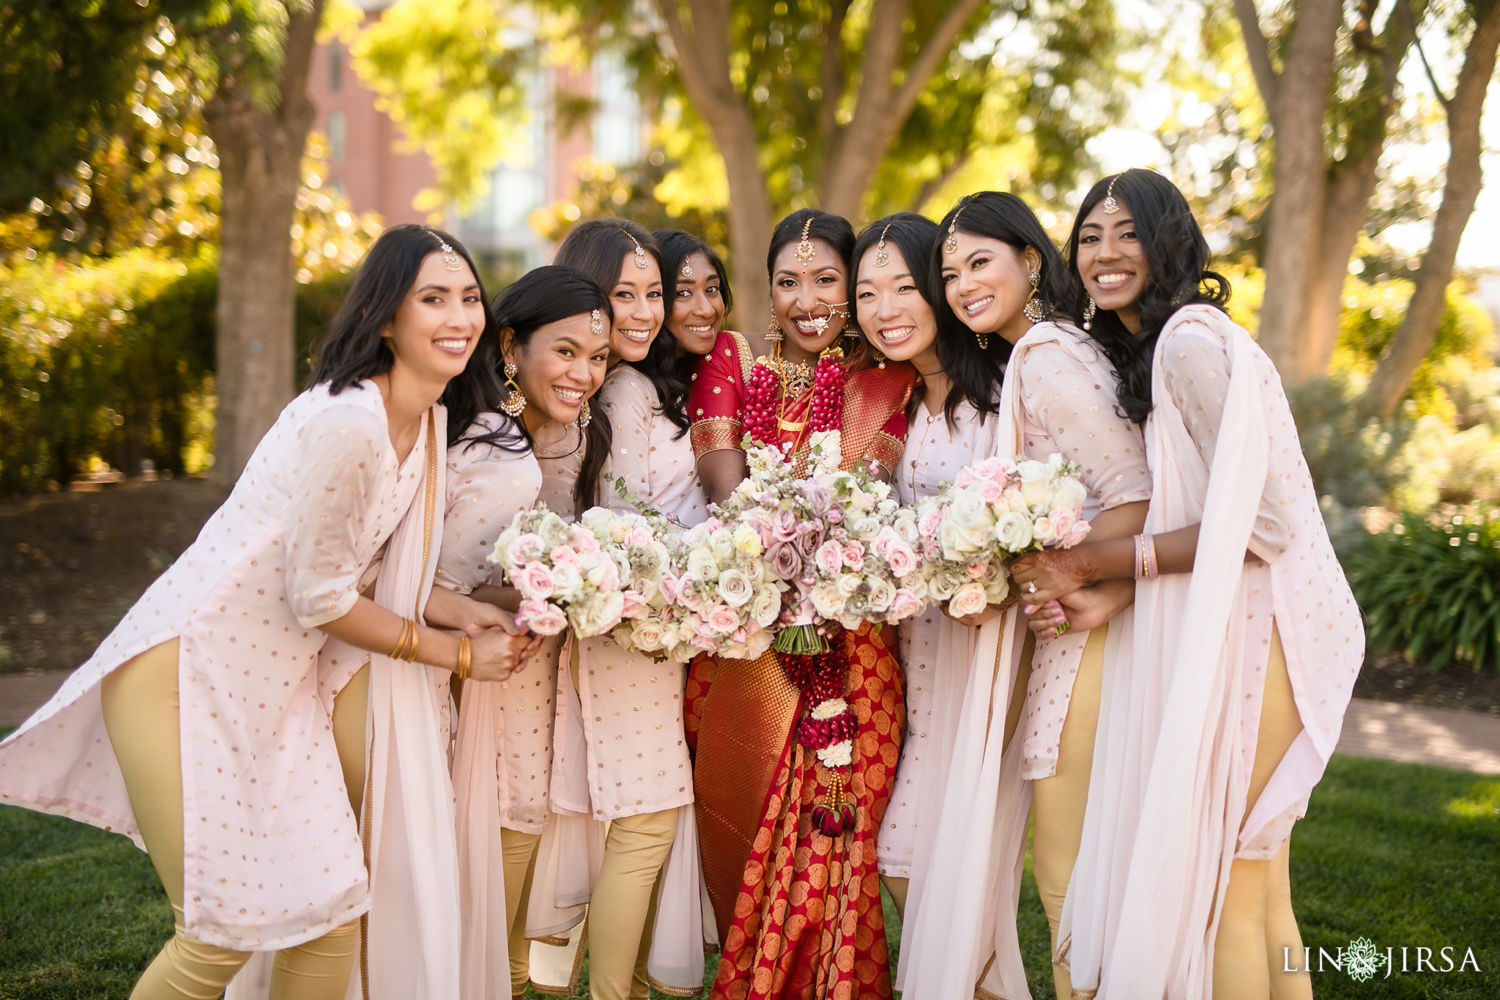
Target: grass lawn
<point>1400,854</point>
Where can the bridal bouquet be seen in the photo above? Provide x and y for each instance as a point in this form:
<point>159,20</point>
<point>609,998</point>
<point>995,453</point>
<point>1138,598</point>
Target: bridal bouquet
<point>719,597</point>
<point>992,512</point>
<point>843,548</point>
<point>565,575</point>
<point>643,546</point>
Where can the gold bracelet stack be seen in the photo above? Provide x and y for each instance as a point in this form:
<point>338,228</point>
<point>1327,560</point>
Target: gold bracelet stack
<point>1145,557</point>
<point>406,646</point>
<point>465,655</point>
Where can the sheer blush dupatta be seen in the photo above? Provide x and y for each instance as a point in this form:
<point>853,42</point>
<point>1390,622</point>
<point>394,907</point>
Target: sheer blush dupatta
<point>961,939</point>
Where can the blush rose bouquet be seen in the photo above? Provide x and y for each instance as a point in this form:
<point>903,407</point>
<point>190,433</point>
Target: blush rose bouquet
<point>565,576</point>
<point>992,512</point>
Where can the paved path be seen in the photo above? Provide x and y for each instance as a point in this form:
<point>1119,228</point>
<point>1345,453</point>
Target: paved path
<point>1465,741</point>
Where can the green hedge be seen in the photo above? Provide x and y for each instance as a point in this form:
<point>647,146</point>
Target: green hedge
<point>1429,589</point>
<point>112,360</point>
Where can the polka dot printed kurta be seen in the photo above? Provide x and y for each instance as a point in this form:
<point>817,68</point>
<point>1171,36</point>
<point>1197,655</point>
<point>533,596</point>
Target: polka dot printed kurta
<point>272,855</point>
<point>632,705</point>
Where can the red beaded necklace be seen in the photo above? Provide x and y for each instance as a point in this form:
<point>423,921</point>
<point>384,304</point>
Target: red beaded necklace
<point>766,399</point>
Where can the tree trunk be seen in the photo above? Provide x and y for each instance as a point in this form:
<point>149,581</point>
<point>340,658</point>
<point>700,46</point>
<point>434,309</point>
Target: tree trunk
<point>1351,182</point>
<point>1297,110</point>
<point>260,161</point>
<point>1418,329</point>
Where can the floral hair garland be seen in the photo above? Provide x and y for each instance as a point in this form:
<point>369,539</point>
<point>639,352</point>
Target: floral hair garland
<point>829,727</point>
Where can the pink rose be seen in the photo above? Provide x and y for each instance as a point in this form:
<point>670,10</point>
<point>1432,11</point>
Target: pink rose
<point>541,618</point>
<point>604,575</point>
<point>854,556</point>
<point>905,604</point>
<point>723,620</point>
<point>671,588</point>
<point>967,600</point>
<point>634,604</point>
<point>638,536</point>
<point>786,562</point>
<point>900,557</point>
<point>833,515</point>
<point>564,556</point>
<point>1077,531</point>
<point>524,549</point>
<point>707,644</point>
<point>990,489</point>
<point>928,523</point>
<point>976,570</point>
<point>535,582</point>
<point>829,558</point>
<point>584,540</point>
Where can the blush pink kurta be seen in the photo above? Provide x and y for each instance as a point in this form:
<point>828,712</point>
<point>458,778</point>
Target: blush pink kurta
<point>934,453</point>
<point>1066,388</point>
<point>631,704</point>
<point>321,494</point>
<point>1177,730</point>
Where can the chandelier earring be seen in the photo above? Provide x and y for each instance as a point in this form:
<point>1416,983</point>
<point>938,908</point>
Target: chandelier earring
<point>773,330</point>
<point>584,416</point>
<point>1089,309</point>
<point>1034,309</point>
<point>514,403</point>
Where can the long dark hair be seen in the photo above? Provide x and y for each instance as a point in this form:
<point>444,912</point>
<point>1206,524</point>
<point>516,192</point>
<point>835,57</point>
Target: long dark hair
<point>666,364</point>
<point>353,349</point>
<point>1000,215</point>
<point>599,246</point>
<point>973,375</point>
<point>1178,256</point>
<point>545,295</point>
<point>837,233</point>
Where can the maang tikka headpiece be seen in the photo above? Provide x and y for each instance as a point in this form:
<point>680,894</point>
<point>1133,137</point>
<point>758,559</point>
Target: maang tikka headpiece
<point>950,245</point>
<point>882,256</point>
<point>687,270</point>
<point>451,260</point>
<point>596,322</point>
<point>804,251</point>
<point>641,260</point>
<point>1110,205</point>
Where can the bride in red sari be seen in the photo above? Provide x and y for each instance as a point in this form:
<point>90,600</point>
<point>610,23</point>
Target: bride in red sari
<point>797,910</point>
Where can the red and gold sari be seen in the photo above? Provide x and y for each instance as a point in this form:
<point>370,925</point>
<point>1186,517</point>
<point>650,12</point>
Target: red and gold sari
<point>798,912</point>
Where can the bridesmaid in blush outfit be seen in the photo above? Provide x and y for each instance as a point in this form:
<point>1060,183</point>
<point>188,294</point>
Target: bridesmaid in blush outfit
<point>898,304</point>
<point>1247,640</point>
<point>552,323</point>
<point>197,728</point>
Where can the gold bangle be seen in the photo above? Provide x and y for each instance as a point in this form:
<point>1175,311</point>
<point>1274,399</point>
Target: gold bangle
<point>1153,570</point>
<point>465,654</point>
<point>408,635</point>
<point>411,654</point>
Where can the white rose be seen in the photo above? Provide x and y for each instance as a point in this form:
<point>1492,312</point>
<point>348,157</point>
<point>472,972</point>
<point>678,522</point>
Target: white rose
<point>735,588</point>
<point>701,564</point>
<point>1036,481</point>
<point>599,615</point>
<point>1043,531</point>
<point>1013,532</point>
<point>765,607</point>
<point>882,593</point>
<point>965,527</point>
<point>566,582</point>
<point>848,584</point>
<point>969,599</point>
<point>827,599</point>
<point>1069,493</point>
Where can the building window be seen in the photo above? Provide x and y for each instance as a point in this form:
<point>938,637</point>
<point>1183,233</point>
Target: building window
<point>335,136</point>
<point>617,123</point>
<point>335,67</point>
